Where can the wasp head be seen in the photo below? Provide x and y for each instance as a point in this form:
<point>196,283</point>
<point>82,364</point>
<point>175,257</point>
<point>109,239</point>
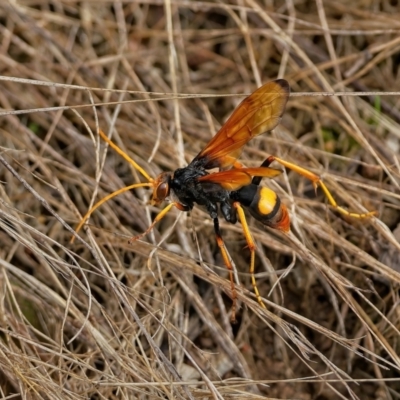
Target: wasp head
<point>161,188</point>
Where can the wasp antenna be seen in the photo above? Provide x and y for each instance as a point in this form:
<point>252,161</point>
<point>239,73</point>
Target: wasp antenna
<point>125,156</point>
<point>104,199</point>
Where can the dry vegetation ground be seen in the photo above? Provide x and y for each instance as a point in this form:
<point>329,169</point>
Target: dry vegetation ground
<point>101,319</point>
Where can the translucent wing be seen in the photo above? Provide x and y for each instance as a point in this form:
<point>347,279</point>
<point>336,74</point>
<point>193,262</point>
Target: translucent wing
<point>256,114</point>
<point>234,179</point>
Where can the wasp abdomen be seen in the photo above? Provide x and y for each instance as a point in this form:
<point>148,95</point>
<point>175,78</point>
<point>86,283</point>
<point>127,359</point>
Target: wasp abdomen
<point>265,206</point>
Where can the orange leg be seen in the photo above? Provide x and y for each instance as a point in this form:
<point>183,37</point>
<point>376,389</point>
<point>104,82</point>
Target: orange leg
<point>252,248</point>
<point>257,179</point>
<point>228,263</point>
<point>316,180</point>
<point>158,218</point>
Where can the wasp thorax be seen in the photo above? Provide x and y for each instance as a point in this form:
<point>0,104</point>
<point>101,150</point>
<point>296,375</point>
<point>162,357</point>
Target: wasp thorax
<point>161,188</point>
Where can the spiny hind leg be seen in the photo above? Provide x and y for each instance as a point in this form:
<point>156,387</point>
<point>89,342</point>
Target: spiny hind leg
<point>228,264</point>
<point>316,181</point>
<point>252,247</point>
<point>257,179</point>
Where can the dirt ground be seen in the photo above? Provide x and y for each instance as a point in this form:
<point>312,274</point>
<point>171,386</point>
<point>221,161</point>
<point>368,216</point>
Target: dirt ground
<point>101,318</point>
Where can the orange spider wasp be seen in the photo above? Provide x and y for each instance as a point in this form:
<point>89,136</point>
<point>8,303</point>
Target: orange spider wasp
<point>234,187</point>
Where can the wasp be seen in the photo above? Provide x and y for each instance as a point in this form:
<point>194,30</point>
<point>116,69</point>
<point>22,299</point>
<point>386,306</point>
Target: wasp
<point>234,188</point>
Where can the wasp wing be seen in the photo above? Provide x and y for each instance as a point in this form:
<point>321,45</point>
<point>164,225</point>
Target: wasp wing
<point>234,179</point>
<point>256,114</point>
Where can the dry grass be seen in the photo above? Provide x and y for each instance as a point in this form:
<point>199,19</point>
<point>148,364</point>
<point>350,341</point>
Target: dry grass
<point>101,319</point>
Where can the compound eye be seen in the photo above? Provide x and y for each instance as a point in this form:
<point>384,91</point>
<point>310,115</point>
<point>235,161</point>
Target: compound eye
<point>162,191</point>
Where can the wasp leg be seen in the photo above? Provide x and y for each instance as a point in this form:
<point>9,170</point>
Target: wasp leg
<point>257,179</point>
<point>316,181</point>
<point>228,264</point>
<point>158,218</point>
<point>252,248</point>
